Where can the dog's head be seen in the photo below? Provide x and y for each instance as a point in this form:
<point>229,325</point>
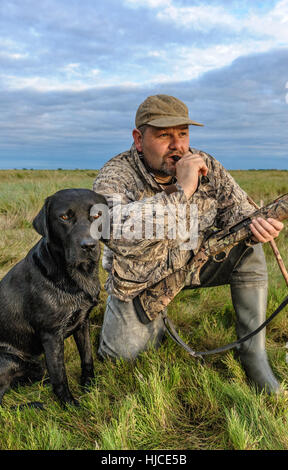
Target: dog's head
<point>65,221</point>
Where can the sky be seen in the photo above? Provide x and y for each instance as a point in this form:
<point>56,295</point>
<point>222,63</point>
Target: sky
<point>73,72</point>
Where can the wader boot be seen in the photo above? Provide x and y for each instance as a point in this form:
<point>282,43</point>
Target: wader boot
<point>250,307</point>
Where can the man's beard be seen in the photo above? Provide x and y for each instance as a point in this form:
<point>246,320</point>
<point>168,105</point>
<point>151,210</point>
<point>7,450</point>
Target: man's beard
<point>164,170</point>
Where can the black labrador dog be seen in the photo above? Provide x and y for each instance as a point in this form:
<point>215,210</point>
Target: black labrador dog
<point>48,295</point>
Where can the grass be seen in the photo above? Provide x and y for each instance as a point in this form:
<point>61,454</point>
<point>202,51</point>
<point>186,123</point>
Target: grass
<point>165,400</point>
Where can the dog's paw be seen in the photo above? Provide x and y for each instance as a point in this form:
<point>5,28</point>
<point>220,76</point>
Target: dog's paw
<point>87,379</point>
<point>86,382</point>
<point>70,402</point>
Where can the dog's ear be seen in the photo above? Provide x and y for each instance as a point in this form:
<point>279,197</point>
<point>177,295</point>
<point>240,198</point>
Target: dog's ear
<point>40,223</point>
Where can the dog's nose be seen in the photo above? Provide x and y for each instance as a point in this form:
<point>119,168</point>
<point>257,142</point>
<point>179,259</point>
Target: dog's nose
<point>88,244</point>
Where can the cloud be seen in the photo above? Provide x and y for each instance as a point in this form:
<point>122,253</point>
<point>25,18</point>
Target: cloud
<point>254,31</point>
<point>201,18</point>
<point>243,107</point>
<point>274,24</point>
<point>147,3</point>
<point>111,47</point>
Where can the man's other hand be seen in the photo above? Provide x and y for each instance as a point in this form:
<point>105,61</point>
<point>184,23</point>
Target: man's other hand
<point>265,230</point>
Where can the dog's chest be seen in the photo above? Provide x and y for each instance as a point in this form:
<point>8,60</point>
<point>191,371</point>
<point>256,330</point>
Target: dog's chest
<point>75,313</point>
<point>72,309</point>
<point>75,320</point>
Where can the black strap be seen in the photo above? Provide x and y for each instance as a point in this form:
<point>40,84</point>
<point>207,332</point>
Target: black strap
<point>174,335</point>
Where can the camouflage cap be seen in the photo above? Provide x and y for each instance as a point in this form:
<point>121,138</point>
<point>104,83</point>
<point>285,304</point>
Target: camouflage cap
<point>163,111</point>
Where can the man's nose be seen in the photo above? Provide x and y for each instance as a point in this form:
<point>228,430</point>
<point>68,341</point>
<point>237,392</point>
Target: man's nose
<point>175,143</point>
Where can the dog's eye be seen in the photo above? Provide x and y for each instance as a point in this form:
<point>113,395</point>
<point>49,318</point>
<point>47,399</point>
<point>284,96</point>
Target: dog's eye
<point>96,216</point>
<point>65,217</point>
<point>68,215</point>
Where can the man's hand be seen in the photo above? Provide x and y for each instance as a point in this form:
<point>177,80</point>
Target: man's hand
<point>188,170</point>
<point>265,230</point>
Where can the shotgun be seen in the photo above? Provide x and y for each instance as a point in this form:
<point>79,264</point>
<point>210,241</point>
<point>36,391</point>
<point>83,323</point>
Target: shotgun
<point>153,300</point>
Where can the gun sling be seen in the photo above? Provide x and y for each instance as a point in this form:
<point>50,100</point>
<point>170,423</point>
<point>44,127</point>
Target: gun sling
<point>236,344</point>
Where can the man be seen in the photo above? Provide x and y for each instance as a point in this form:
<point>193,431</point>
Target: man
<point>161,170</point>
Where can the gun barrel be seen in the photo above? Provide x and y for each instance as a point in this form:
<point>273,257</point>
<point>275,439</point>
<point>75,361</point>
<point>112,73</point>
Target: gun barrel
<point>276,210</point>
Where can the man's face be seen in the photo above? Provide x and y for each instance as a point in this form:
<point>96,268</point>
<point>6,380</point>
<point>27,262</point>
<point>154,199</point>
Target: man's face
<point>159,145</point>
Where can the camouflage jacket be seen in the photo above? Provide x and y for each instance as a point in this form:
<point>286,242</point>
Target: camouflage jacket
<point>137,262</point>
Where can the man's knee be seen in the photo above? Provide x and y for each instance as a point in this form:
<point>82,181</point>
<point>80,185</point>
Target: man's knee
<point>251,271</point>
<point>123,334</point>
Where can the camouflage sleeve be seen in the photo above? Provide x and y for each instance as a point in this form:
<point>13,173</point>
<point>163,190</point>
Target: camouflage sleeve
<point>140,227</point>
<point>232,200</point>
